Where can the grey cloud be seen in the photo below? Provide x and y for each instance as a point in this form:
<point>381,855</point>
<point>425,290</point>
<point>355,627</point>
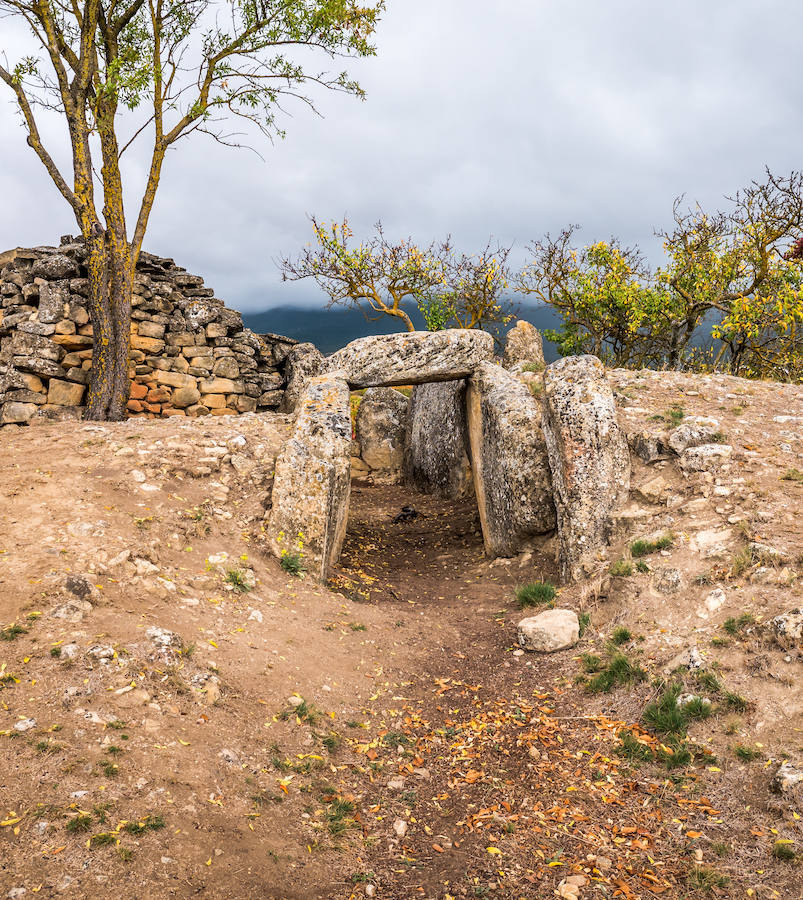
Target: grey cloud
<point>512,119</point>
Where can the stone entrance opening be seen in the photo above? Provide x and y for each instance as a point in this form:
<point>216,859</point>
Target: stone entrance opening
<point>543,456</point>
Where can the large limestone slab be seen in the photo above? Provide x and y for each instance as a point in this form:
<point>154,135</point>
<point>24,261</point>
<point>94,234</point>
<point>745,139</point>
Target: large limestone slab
<point>509,460</point>
<point>303,362</point>
<point>312,479</point>
<point>436,442</point>
<point>413,357</point>
<point>380,427</point>
<point>588,456</point>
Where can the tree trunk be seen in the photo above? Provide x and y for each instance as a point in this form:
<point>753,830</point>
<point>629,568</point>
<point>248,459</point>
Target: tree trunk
<point>110,289</point>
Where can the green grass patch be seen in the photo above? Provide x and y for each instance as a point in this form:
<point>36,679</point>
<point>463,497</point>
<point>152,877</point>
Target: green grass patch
<point>339,816</point>
<point>584,620</point>
<point>621,635</point>
<point>537,593</point>
<point>746,754</point>
<point>619,670</point>
<point>149,823</point>
<point>735,701</point>
<point>12,632</point>
<point>645,548</point>
<point>79,823</point>
<point>793,475</point>
<point>631,749</point>
<point>784,850</point>
<point>676,413</point>
<point>621,569</point>
<point>736,626</point>
<point>706,879</point>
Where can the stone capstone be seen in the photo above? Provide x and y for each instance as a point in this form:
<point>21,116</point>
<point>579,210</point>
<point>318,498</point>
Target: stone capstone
<point>312,481</point>
<point>380,428</point>
<point>414,357</point>
<point>512,478</point>
<point>436,441</point>
<point>588,458</point>
<point>549,631</point>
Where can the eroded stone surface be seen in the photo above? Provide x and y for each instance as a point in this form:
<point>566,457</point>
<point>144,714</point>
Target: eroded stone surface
<point>414,357</point>
<point>380,428</point>
<point>588,457</point>
<point>524,348</point>
<point>510,465</point>
<point>312,482</point>
<point>303,362</point>
<point>436,442</point>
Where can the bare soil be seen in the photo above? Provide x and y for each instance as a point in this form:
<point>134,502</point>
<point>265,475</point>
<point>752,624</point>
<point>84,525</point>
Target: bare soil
<point>429,757</point>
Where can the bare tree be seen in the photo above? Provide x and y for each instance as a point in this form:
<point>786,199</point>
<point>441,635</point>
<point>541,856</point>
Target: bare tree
<point>189,64</point>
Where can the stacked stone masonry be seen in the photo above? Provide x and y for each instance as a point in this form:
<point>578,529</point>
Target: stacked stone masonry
<point>190,354</point>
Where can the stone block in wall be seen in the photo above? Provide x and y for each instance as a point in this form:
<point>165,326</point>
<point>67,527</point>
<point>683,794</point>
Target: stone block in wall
<point>226,367</point>
<point>53,299</point>
<point>64,393</point>
<point>270,399</point>
<point>221,386</point>
<point>184,397</point>
<point>214,401</point>
<point>175,379</point>
<point>180,339</point>
<point>216,330</point>
<point>65,326</point>
<point>25,396</point>
<point>147,344</point>
<point>17,413</point>
<point>36,328</point>
<point>43,367</point>
<point>196,350</point>
<point>512,477</point>
<point>151,329</point>
<point>54,267</point>
<point>73,341</point>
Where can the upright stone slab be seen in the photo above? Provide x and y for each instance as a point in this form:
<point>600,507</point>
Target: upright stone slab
<point>380,427</point>
<point>303,362</point>
<point>588,457</point>
<point>524,348</point>
<point>509,461</point>
<point>436,443</point>
<point>413,357</point>
<point>312,482</point>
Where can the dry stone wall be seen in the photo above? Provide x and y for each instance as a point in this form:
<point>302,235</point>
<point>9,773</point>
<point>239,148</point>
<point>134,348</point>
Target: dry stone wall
<point>190,354</point>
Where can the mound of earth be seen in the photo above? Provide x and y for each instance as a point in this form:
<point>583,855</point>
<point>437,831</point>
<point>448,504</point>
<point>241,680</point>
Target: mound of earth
<point>179,716</point>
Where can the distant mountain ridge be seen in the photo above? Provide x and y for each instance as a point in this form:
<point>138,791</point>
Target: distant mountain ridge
<point>331,329</point>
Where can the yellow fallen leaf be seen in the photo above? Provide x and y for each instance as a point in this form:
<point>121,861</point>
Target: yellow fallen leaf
<point>184,743</point>
<point>10,822</point>
<point>213,643</point>
<point>494,851</point>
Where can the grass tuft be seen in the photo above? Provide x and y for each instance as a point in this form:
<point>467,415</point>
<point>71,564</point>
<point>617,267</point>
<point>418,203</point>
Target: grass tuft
<point>537,593</point>
<point>645,548</point>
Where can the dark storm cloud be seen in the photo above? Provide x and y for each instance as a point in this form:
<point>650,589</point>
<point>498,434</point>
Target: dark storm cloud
<point>511,119</point>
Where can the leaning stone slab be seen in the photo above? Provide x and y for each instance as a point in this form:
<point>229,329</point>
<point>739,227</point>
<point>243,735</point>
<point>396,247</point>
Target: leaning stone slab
<point>549,631</point>
<point>588,456</point>
<point>413,357</point>
<point>312,479</point>
<point>436,443</point>
<point>509,460</point>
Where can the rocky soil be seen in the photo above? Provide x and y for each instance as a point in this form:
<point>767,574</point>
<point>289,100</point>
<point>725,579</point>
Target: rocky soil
<point>181,717</point>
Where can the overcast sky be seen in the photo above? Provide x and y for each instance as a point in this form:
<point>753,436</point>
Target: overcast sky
<point>510,118</point>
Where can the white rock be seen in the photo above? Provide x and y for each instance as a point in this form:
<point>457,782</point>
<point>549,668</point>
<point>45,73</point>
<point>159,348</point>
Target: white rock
<point>24,725</point>
<point>715,599</point>
<point>549,631</point>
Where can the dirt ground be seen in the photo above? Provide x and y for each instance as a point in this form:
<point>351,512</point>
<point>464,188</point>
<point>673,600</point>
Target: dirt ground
<point>385,737</point>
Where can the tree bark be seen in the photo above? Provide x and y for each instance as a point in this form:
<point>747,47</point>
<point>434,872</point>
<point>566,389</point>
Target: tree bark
<point>110,290</point>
